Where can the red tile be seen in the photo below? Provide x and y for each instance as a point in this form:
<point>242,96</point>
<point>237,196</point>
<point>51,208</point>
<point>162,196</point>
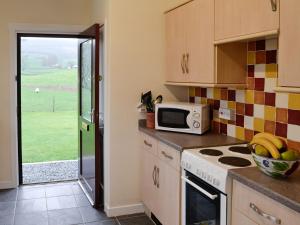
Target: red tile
<point>198,92</point>
<point>270,126</point>
<point>294,117</point>
<point>249,134</point>
<point>260,45</point>
<point>203,92</point>
<point>259,84</point>
<point>216,104</point>
<point>261,57</point>
<point>251,46</point>
<point>216,127</point>
<point>281,130</point>
<point>231,95</point>
<point>249,108</point>
<point>250,70</point>
<point>270,99</point>
<point>271,57</point>
<point>239,120</point>
<point>259,97</point>
<point>223,128</point>
<point>192,99</point>
<point>224,94</point>
<point>240,108</point>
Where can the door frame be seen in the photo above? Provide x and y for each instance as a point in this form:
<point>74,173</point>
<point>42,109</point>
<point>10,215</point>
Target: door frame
<point>19,89</point>
<point>14,29</point>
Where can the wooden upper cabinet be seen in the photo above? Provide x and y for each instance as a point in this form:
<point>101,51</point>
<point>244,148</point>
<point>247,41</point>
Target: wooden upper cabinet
<point>199,23</point>
<point>175,46</point>
<point>289,46</point>
<point>189,41</point>
<point>237,18</point>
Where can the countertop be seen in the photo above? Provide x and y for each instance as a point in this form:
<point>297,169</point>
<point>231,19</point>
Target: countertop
<point>285,191</point>
<point>181,141</point>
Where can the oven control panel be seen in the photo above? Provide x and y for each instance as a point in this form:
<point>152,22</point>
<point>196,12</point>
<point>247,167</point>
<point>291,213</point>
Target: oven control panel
<point>205,171</point>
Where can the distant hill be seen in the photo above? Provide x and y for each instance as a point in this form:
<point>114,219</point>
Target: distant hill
<point>39,54</point>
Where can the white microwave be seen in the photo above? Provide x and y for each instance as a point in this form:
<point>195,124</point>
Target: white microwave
<point>182,117</point>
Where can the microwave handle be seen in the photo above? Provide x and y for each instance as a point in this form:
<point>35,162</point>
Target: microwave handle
<point>212,197</point>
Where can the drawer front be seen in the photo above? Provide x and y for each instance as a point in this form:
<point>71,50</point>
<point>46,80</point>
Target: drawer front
<point>149,143</point>
<point>258,207</point>
<point>169,155</point>
<point>239,218</point>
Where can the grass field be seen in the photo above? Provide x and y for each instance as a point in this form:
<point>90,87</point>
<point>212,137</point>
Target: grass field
<point>49,117</point>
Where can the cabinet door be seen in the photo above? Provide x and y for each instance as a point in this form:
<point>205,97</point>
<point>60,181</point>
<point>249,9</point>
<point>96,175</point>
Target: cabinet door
<point>234,18</point>
<point>149,190</point>
<point>169,195</point>
<point>175,46</point>
<point>199,26</point>
<point>289,46</point>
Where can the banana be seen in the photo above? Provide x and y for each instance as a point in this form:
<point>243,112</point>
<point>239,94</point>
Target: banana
<point>270,137</point>
<point>268,145</point>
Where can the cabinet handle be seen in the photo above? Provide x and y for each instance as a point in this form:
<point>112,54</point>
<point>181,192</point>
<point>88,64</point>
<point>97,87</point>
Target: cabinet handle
<point>166,155</point>
<point>274,5</point>
<point>265,215</point>
<point>186,64</point>
<point>153,175</point>
<point>148,144</point>
<point>182,63</point>
<point>157,180</point>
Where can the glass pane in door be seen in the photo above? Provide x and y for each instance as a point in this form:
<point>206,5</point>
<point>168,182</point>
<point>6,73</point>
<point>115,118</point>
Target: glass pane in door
<point>86,80</point>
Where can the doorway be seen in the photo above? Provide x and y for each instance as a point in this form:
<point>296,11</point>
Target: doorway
<point>48,108</point>
<point>89,116</point>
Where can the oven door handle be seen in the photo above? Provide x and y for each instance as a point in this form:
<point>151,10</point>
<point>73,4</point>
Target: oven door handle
<point>212,197</point>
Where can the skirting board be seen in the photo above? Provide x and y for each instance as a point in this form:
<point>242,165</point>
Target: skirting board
<point>124,210</point>
<point>7,185</point>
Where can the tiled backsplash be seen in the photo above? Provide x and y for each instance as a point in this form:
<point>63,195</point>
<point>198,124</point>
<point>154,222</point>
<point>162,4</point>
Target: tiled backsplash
<point>258,108</point>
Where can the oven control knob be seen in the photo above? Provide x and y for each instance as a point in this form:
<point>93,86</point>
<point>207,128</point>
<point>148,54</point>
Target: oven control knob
<point>216,182</point>
<point>196,124</point>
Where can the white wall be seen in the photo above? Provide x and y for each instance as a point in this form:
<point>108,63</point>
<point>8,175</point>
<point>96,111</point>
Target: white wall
<point>135,61</point>
<point>35,12</point>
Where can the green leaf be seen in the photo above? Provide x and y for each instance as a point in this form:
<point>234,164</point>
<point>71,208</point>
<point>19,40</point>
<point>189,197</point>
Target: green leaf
<point>280,166</point>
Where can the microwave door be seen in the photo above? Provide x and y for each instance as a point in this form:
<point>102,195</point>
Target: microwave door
<point>173,118</point>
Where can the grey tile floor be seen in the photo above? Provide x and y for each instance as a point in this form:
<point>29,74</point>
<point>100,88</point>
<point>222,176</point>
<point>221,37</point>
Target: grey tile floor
<point>56,204</point>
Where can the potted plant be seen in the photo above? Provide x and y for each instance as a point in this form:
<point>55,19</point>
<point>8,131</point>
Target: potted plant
<point>149,103</point>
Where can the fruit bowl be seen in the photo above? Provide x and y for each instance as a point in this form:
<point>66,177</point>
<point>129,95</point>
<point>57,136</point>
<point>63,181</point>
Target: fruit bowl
<point>276,168</point>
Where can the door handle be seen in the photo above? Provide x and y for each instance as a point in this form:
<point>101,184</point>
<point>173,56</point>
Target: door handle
<point>182,63</point>
<point>157,181</point>
<point>148,144</point>
<point>265,215</point>
<point>206,193</point>
<point>85,126</point>
<point>153,175</point>
<point>166,155</point>
<point>186,64</point>
<point>274,5</point>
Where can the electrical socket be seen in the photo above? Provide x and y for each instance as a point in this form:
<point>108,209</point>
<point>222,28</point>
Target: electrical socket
<point>227,114</point>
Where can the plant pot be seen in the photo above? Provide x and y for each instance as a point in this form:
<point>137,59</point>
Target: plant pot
<point>150,121</point>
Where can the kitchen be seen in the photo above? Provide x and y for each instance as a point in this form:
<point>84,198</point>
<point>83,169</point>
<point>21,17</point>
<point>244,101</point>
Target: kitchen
<point>229,43</point>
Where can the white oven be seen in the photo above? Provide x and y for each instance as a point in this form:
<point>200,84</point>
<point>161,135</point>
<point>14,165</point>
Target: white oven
<point>202,204</point>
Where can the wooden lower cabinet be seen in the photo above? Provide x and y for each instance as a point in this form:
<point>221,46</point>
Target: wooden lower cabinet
<point>161,185</point>
<point>245,199</point>
<point>240,219</point>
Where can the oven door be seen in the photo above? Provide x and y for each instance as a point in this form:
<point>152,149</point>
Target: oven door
<point>172,118</point>
<point>202,204</point>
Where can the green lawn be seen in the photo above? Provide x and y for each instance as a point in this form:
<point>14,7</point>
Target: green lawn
<point>49,118</point>
<point>48,136</point>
